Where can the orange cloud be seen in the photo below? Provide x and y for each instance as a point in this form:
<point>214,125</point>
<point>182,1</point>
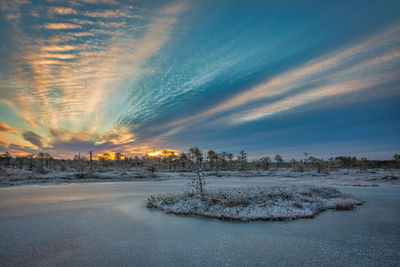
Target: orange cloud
<point>58,48</point>
<point>64,10</point>
<point>3,144</point>
<point>117,136</point>
<point>61,26</point>
<point>4,128</point>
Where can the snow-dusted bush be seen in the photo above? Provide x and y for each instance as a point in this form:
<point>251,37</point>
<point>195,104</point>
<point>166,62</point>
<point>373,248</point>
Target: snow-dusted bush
<point>255,203</point>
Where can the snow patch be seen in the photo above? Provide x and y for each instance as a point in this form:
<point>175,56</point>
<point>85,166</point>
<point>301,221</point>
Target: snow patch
<point>255,203</point>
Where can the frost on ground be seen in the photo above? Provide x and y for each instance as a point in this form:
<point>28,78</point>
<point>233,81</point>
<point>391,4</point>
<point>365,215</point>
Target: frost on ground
<point>255,203</point>
<point>23,177</point>
<point>341,177</point>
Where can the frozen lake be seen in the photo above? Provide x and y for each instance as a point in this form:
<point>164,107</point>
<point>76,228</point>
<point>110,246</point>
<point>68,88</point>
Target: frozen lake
<point>97,224</point>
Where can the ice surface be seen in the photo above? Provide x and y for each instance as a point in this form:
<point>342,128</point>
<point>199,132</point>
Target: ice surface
<point>107,224</point>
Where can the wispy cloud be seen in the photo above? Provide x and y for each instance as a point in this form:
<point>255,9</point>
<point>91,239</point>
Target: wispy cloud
<point>62,26</point>
<point>59,56</point>
<point>107,14</point>
<point>175,9</point>
<point>343,71</point>
<point>111,24</point>
<point>58,48</point>
<point>64,10</point>
<point>71,86</point>
<point>113,2</point>
<point>13,8</point>
<point>311,96</point>
<point>82,34</point>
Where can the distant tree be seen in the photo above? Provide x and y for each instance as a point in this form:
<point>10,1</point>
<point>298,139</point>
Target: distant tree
<point>354,162</point>
<point>396,158</point>
<point>170,155</point>
<point>104,158</point>
<point>265,162</point>
<point>196,155</point>
<point>49,160</point>
<point>20,161</point>
<point>41,157</point>
<point>230,158</point>
<point>257,164</point>
<point>91,161</point>
<point>6,159</point>
<point>316,162</point>
<point>364,164</point>
<point>134,161</point>
<point>30,159</point>
<point>306,159</point>
<point>293,164</point>
<point>278,160</point>
<point>212,157</point>
<point>223,157</point>
<point>118,158</point>
<point>242,157</point>
<point>183,159</point>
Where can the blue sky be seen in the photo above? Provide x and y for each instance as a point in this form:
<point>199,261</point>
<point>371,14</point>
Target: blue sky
<point>265,76</point>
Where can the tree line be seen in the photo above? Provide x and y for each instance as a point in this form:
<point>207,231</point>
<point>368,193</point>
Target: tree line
<point>188,161</point>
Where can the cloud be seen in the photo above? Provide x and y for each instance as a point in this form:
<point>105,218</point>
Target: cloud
<point>20,150</point>
<point>33,138</point>
<point>62,26</point>
<point>113,2</point>
<point>336,72</point>
<point>64,10</point>
<point>15,147</point>
<point>175,9</point>
<point>83,21</point>
<point>3,144</point>
<point>58,48</point>
<point>4,128</point>
<point>48,62</point>
<point>111,24</point>
<point>75,146</point>
<point>59,56</point>
<point>12,8</point>
<point>107,14</point>
<point>117,136</point>
<point>82,34</point>
<point>310,96</point>
<point>64,135</point>
<point>77,79</point>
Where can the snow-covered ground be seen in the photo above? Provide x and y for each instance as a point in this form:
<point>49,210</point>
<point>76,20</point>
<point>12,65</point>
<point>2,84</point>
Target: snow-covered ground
<point>255,203</point>
<point>346,177</point>
<point>107,224</point>
<point>23,177</point>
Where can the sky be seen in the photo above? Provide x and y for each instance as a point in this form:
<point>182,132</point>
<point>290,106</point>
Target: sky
<point>267,77</point>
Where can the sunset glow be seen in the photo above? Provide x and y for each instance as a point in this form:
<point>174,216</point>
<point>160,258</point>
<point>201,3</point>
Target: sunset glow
<point>109,156</point>
<point>163,153</point>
